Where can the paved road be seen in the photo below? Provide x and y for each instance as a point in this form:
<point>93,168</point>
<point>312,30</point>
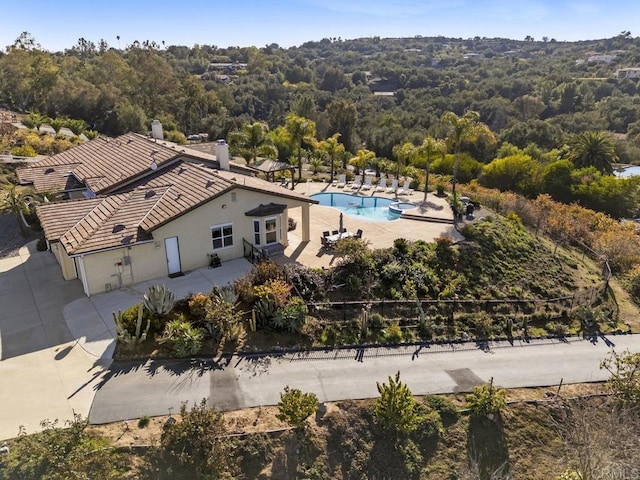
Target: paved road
<point>133,389</point>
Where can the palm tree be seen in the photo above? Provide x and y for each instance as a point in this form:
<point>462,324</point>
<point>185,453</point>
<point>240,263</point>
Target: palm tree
<point>361,159</point>
<point>301,130</point>
<point>593,149</point>
<point>462,129</point>
<point>253,140</point>
<point>403,153</point>
<point>18,203</point>
<point>430,148</point>
<point>333,148</point>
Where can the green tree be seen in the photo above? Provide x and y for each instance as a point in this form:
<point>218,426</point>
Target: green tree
<point>34,120</point>
<point>253,140</point>
<point>17,202</point>
<point>425,154</point>
<point>486,399</point>
<point>404,153</point>
<point>517,173</point>
<point>77,126</point>
<point>624,382</point>
<point>301,131</point>
<point>333,148</point>
<point>362,158</point>
<point>459,130</point>
<point>396,409</point>
<point>57,124</point>
<point>58,453</point>
<point>593,149</point>
<point>295,406</point>
<point>194,448</point>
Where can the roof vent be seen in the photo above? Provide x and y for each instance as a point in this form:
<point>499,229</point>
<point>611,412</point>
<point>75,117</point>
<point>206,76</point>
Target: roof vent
<point>118,227</point>
<point>49,170</point>
<point>150,193</point>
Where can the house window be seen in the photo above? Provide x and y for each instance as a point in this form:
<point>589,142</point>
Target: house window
<point>222,236</point>
<point>233,196</point>
<point>271,231</point>
<point>256,232</point>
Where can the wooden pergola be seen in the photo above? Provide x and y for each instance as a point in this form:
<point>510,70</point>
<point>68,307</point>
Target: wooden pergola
<point>271,167</point>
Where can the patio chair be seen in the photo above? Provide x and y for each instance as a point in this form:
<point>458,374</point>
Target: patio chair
<point>357,182</point>
<point>406,188</point>
<point>382,185</point>
<point>325,242</point>
<point>342,181</point>
<point>335,232</point>
<point>393,187</point>
<point>326,233</point>
<point>359,233</point>
<point>367,183</point>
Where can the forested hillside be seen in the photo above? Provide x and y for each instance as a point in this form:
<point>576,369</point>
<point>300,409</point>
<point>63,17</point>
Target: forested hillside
<point>558,114</point>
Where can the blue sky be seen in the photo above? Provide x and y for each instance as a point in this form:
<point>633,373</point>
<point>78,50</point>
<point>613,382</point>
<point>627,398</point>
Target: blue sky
<point>58,25</point>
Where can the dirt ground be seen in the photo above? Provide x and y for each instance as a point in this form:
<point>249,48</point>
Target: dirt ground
<point>263,419</point>
<point>10,237</point>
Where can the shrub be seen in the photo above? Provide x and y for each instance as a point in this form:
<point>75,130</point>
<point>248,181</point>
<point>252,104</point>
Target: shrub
<point>291,224</point>
<point>42,246</point>
<point>244,288</point>
<point>396,409</point>
<point>293,315</point>
<point>130,318</point>
<point>308,283</point>
<point>295,407</point>
<point>183,339</point>
<point>24,151</point>
<point>199,304</point>
<point>264,271</point>
<point>486,399</point>
<point>143,421</point>
<point>447,410</point>
<point>393,334</point>
<point>276,290</point>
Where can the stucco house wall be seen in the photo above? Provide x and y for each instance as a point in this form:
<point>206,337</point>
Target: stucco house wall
<point>110,269</point>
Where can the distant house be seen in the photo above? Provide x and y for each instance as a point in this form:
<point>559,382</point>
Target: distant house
<point>141,208</point>
<point>628,73</point>
<point>601,58</point>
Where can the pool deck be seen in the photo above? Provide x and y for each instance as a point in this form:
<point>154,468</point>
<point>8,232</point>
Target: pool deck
<point>378,234</point>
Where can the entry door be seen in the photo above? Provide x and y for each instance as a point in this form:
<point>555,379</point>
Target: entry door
<point>173,254</point>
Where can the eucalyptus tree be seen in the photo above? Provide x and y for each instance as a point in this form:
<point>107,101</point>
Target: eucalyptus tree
<point>593,149</point>
<point>253,140</point>
<point>460,129</point>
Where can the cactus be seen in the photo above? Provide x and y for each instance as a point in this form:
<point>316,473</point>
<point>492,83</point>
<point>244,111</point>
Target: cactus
<point>159,300</point>
<point>123,333</point>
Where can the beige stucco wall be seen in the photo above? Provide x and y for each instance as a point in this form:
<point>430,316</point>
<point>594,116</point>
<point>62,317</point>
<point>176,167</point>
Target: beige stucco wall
<point>148,260</point>
<point>66,264</point>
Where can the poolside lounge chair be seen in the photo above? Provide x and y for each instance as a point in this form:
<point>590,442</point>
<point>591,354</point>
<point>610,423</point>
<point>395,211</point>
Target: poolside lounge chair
<point>334,232</point>
<point>406,189</point>
<point>357,182</point>
<point>367,183</point>
<point>393,187</point>
<point>382,185</point>
<point>359,233</point>
<point>342,181</point>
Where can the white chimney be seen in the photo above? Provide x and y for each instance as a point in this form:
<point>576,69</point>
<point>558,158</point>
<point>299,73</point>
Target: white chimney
<point>222,154</point>
<point>156,130</point>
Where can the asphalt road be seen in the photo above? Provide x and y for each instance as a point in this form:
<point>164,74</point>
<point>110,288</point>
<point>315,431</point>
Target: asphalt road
<point>133,389</point>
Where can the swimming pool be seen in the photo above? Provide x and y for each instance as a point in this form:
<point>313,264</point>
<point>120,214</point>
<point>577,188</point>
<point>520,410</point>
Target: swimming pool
<point>364,208</point>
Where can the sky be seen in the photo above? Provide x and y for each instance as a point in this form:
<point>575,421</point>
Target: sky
<point>58,25</point>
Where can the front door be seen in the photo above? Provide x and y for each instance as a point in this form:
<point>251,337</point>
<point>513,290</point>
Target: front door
<point>173,255</point>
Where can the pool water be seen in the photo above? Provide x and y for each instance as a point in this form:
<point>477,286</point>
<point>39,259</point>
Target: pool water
<point>627,171</point>
<point>364,208</point>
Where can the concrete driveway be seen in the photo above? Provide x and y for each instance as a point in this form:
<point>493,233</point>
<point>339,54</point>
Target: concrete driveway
<point>56,343</point>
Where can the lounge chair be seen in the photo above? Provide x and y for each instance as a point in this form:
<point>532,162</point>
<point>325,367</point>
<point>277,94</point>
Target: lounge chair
<point>359,233</point>
<point>406,189</point>
<point>367,183</point>
<point>382,185</point>
<point>342,181</point>
<point>326,233</point>
<point>393,187</point>
<point>357,182</point>
<point>325,242</point>
<point>335,232</point>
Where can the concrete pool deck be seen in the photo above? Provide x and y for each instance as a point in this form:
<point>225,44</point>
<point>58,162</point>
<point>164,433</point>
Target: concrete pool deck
<point>378,234</point>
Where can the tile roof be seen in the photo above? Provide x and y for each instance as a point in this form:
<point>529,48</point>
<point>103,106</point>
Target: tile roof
<point>49,178</point>
<point>128,216</point>
<point>108,163</point>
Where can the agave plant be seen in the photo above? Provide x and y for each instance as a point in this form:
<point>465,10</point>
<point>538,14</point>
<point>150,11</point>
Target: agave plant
<point>159,300</point>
